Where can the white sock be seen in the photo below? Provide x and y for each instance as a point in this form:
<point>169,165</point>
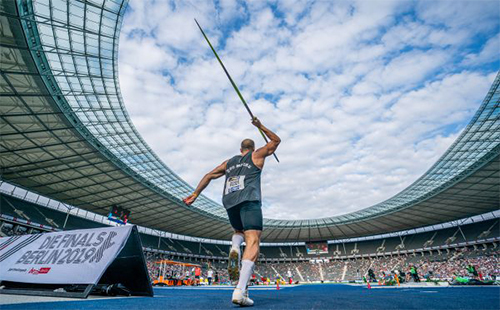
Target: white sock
<point>245,274</point>
<point>236,242</point>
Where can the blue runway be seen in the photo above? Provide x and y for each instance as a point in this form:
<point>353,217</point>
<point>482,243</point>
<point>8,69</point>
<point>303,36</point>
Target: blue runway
<point>321,296</point>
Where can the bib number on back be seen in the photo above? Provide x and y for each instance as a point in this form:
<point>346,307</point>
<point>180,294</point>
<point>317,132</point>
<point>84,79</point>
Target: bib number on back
<point>234,184</point>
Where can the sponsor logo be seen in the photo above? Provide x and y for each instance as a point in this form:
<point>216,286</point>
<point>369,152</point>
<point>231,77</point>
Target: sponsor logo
<point>42,270</point>
<point>17,269</point>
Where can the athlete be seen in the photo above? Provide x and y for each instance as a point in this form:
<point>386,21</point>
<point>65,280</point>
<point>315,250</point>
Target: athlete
<point>242,200</point>
<point>210,275</point>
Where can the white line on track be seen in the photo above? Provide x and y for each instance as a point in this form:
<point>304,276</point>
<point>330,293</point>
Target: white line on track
<point>8,299</point>
<point>252,288</point>
<point>213,289</point>
<point>431,287</point>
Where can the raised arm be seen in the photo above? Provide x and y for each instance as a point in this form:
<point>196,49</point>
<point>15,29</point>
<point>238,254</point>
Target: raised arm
<point>268,149</point>
<point>212,175</point>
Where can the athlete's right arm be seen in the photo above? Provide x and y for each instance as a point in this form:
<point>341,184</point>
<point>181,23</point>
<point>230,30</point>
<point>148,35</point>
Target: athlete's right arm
<point>212,175</point>
<point>271,146</point>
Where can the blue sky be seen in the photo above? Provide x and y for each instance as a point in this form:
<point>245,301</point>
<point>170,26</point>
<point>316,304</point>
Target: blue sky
<point>366,95</point>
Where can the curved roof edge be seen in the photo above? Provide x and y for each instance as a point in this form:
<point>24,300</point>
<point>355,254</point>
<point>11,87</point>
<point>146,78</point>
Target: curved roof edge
<point>80,120</point>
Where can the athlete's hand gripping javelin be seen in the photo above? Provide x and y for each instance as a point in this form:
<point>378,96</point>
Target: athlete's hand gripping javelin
<point>256,122</point>
<point>270,147</point>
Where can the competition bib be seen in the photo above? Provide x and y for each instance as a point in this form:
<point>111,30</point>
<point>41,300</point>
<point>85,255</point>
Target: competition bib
<point>234,184</point>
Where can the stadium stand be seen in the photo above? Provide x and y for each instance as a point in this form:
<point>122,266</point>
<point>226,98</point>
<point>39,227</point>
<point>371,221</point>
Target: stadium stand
<point>477,239</point>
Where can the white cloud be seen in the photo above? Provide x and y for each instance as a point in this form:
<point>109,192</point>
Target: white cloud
<point>475,16</point>
<point>489,53</point>
<point>365,95</point>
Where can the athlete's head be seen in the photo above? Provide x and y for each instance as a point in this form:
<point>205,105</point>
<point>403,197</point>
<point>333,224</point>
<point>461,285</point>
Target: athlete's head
<point>247,145</point>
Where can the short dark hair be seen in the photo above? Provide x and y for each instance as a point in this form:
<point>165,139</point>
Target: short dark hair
<point>248,144</point>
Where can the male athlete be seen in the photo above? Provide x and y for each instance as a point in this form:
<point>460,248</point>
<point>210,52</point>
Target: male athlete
<point>243,202</point>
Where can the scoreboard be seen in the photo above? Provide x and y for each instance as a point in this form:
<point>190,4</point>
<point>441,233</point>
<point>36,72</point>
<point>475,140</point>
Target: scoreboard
<point>118,214</point>
<point>314,248</point>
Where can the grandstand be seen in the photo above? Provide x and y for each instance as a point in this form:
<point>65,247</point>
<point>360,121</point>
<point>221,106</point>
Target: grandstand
<point>479,235</point>
<point>67,138</point>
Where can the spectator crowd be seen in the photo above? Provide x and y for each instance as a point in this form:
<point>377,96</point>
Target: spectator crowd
<point>408,268</point>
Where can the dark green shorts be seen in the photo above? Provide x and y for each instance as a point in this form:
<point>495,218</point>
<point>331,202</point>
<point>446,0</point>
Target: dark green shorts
<point>246,216</point>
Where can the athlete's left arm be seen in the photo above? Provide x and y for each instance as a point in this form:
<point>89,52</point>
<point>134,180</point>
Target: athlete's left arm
<point>212,175</point>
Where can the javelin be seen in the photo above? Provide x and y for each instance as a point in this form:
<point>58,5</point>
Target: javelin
<point>234,84</point>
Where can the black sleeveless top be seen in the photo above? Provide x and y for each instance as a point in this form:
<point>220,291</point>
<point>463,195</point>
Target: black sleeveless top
<point>242,181</point>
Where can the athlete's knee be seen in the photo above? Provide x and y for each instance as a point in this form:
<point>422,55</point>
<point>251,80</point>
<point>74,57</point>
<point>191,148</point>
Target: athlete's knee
<point>252,237</point>
<point>252,242</point>
<point>253,233</point>
<point>251,251</point>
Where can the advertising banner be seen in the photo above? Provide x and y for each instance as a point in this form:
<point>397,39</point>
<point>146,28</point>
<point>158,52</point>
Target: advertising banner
<point>66,257</point>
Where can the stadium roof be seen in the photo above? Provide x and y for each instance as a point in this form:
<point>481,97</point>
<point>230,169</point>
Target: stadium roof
<point>65,134</point>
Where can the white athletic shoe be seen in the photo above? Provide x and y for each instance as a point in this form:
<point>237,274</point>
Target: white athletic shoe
<point>233,266</point>
<point>241,298</point>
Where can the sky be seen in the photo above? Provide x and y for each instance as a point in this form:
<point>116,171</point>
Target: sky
<point>365,95</point>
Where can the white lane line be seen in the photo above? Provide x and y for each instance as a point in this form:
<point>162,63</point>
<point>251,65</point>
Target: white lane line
<point>220,289</point>
<point>252,288</point>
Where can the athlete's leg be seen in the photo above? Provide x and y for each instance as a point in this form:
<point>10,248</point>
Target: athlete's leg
<point>252,221</point>
<point>251,218</point>
<point>252,249</point>
<point>250,256</point>
<point>233,264</point>
<point>235,255</point>
<point>237,240</point>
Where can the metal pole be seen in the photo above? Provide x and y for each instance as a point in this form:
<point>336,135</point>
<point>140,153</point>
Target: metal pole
<point>66,220</point>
